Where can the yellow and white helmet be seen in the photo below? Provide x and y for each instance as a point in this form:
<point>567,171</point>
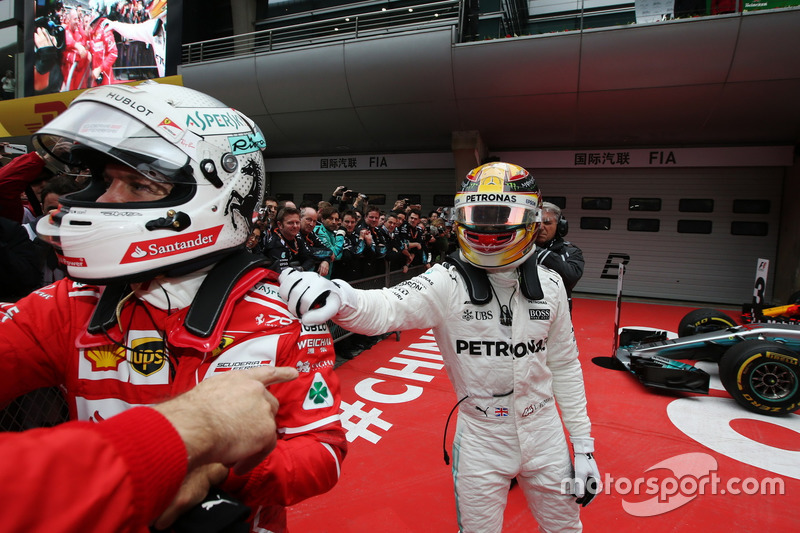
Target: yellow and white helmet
<point>497,215</point>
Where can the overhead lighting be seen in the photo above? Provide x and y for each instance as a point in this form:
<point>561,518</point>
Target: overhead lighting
<point>410,10</point>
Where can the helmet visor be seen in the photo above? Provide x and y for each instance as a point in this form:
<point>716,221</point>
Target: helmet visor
<point>105,130</point>
<point>495,218</point>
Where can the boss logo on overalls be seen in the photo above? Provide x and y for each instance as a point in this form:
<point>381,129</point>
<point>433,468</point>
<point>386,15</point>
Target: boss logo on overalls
<point>539,314</point>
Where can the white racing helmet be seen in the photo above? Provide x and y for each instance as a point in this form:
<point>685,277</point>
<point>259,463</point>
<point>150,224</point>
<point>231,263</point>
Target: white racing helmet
<point>497,215</point>
<point>208,152</point>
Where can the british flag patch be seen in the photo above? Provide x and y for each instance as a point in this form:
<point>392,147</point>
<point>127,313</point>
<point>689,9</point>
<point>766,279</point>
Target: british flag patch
<point>501,411</point>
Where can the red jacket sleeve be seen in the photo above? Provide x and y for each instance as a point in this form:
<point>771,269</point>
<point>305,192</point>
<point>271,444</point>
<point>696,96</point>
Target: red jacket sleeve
<point>118,475</point>
<point>33,351</point>
<point>312,444</point>
<point>14,177</point>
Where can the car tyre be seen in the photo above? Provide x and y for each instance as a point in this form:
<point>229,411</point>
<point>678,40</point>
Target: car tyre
<point>703,321</point>
<point>762,376</point>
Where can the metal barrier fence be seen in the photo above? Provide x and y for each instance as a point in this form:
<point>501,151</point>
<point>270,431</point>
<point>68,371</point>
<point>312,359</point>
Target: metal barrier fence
<point>375,282</point>
<point>46,407</point>
<point>379,22</point>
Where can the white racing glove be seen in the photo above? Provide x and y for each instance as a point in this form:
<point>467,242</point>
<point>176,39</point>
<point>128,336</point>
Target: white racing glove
<point>313,298</point>
<point>586,484</point>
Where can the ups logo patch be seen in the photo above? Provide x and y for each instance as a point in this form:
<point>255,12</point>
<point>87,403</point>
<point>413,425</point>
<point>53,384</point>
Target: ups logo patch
<point>147,355</point>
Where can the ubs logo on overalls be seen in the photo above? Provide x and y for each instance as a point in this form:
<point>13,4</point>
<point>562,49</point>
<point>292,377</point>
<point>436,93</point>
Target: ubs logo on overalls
<point>476,315</point>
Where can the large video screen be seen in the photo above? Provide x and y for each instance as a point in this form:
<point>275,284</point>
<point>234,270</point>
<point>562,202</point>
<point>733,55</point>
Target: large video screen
<point>77,44</point>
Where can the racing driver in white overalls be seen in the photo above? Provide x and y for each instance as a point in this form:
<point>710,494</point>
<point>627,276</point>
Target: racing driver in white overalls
<point>503,326</point>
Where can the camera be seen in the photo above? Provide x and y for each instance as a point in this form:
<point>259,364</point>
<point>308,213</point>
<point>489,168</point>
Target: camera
<point>15,149</point>
<point>52,25</point>
<point>362,196</point>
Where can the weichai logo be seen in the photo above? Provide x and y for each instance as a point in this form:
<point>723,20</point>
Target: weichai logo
<point>179,244</point>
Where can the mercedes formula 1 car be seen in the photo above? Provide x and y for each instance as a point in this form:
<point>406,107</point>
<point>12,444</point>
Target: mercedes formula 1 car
<point>759,361</point>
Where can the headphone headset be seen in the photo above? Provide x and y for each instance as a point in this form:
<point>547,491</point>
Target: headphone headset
<point>562,227</point>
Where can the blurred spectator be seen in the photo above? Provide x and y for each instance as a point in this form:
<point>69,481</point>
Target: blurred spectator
<point>263,225</point>
<point>556,253</point>
<point>439,248</point>
<point>336,197</point>
<point>9,85</point>
<point>395,247</point>
<point>435,214</point>
<point>356,248</point>
<point>400,205</point>
<point>76,56</point>
<point>271,208</point>
<point>22,172</point>
<point>321,253</point>
<point>20,265</point>
<point>345,199</point>
<point>374,264</point>
<point>152,32</point>
<point>104,52</point>
<point>415,247</point>
<point>330,234</point>
<point>53,189</point>
<point>51,268</point>
<point>47,77</point>
<point>283,244</point>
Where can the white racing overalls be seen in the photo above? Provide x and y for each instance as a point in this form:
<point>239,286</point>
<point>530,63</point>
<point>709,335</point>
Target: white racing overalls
<point>508,425</point>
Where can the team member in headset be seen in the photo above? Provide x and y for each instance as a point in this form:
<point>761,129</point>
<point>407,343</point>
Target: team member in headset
<point>556,253</point>
<point>161,293</point>
<point>503,326</point>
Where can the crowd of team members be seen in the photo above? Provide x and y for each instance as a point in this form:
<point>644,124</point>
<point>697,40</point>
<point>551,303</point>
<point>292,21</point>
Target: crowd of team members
<point>351,240</point>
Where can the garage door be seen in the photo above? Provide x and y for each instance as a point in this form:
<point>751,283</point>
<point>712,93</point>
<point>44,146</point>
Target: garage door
<point>684,234</point>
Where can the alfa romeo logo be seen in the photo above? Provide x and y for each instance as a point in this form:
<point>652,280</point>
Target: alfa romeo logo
<point>318,393</point>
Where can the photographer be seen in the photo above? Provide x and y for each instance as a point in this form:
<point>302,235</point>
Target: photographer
<point>344,199</point>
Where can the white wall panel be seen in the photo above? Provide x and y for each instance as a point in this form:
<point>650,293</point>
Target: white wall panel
<point>717,267</point>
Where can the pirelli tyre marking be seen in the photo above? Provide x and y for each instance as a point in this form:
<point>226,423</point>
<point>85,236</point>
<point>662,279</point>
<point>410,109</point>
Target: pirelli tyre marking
<point>762,376</point>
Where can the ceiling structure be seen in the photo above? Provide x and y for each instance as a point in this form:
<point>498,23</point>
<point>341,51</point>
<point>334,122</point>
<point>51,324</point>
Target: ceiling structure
<point>724,80</point>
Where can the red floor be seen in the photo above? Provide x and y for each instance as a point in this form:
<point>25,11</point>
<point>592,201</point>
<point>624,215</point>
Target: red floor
<point>671,462</point>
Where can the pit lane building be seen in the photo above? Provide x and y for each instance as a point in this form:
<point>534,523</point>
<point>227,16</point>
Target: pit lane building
<point>668,135</point>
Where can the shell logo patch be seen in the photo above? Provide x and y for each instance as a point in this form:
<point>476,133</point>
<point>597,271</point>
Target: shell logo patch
<point>105,357</point>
